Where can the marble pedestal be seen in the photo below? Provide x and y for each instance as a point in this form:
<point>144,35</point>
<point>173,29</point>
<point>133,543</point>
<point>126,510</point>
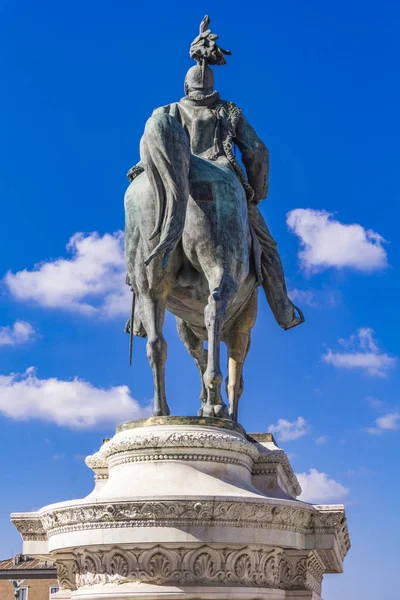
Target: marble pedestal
<point>189,508</point>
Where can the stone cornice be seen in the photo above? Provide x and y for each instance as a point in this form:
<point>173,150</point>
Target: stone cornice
<point>175,513</point>
<point>132,440</point>
<point>29,526</point>
<point>323,519</point>
<point>332,519</point>
<point>267,457</point>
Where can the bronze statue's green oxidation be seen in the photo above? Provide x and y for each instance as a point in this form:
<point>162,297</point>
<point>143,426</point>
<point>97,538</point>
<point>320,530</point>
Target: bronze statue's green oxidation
<point>195,241</point>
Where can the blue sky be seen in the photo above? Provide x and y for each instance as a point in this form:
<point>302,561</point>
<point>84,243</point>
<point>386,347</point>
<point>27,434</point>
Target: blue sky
<point>319,82</point>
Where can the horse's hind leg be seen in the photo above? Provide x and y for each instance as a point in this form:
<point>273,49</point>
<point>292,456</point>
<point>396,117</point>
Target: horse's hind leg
<point>215,314</point>
<point>238,344</point>
<point>152,313</point>
<point>238,347</point>
<point>195,347</point>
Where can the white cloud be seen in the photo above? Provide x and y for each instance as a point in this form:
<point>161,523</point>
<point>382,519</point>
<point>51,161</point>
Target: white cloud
<point>324,298</point>
<point>388,422</point>
<point>91,282</point>
<point>375,403</point>
<point>290,430</point>
<point>304,297</point>
<point>322,439</point>
<point>325,242</point>
<point>318,487</point>
<point>362,353</point>
<point>75,404</point>
<point>19,333</point>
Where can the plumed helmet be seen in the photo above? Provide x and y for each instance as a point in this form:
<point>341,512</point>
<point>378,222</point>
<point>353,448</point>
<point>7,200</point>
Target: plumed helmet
<point>200,79</point>
<point>205,51</point>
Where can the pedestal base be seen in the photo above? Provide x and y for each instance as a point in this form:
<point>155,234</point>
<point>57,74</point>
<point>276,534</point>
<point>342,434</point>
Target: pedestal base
<point>189,508</point>
<point>150,592</point>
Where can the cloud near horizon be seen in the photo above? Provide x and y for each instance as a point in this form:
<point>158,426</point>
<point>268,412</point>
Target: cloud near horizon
<point>75,404</point>
<point>290,430</point>
<point>318,487</point>
<point>325,242</point>
<point>19,333</point>
<point>387,422</point>
<point>362,352</point>
<point>90,282</point>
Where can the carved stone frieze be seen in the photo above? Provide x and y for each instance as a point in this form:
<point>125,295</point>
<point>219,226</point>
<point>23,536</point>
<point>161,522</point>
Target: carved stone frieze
<point>179,439</point>
<point>201,565</point>
<point>175,513</point>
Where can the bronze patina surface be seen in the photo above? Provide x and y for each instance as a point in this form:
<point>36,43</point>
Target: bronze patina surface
<point>196,243</point>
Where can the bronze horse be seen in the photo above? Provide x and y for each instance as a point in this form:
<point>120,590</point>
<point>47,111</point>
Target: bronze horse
<point>209,281</point>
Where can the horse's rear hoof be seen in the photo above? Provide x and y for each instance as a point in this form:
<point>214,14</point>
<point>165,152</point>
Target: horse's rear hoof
<point>221,411</point>
<point>214,410</point>
<point>161,412</point>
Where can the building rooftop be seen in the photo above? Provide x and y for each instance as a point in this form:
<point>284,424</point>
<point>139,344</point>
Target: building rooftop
<point>22,562</point>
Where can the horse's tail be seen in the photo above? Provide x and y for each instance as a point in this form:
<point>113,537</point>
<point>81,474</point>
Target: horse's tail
<point>165,153</point>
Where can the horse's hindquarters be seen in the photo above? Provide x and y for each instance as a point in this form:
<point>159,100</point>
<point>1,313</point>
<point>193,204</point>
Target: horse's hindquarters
<point>216,228</point>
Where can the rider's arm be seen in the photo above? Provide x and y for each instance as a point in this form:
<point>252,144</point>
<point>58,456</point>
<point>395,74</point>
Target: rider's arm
<point>255,157</point>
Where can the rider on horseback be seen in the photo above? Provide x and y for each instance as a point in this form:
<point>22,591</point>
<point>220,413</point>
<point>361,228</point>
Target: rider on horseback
<point>214,128</point>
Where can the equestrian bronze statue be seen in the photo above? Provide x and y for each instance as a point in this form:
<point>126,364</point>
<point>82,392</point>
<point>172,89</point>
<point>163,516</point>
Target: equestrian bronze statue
<point>195,241</point>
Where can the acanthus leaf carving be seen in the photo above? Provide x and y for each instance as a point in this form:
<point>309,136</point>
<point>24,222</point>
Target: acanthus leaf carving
<point>243,566</point>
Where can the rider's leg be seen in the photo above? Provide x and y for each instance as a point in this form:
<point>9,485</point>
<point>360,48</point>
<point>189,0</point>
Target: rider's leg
<point>274,284</point>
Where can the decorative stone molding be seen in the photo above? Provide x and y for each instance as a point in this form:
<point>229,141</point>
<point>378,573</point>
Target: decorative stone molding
<point>130,440</point>
<point>30,526</point>
<point>96,461</point>
<point>201,565</point>
<point>126,458</point>
<point>315,572</point>
<point>332,519</point>
<point>67,571</point>
<point>276,457</point>
<point>176,513</point>
<point>269,455</point>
